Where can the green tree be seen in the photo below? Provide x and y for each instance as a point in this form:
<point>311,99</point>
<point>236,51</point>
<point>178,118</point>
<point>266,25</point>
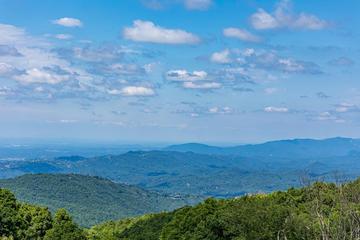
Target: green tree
<point>36,221</point>
<point>64,228</point>
<point>10,221</point>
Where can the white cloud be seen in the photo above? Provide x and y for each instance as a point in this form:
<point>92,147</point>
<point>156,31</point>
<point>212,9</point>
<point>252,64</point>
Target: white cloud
<point>346,107</point>
<point>6,69</point>
<point>185,76</point>
<point>241,34</point>
<point>40,76</point>
<point>284,17</point>
<point>290,65</point>
<point>206,85</point>
<point>35,61</point>
<point>133,91</point>
<point>251,66</point>
<point>197,4</point>
<point>68,22</point>
<point>220,110</point>
<point>221,57</point>
<point>327,116</point>
<point>10,33</point>
<point>276,109</point>
<point>146,31</point>
<point>15,36</point>
<point>192,80</point>
<point>63,36</point>
<point>126,69</point>
<point>263,20</point>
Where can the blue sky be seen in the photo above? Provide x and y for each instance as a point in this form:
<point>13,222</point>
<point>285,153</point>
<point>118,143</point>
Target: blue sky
<point>179,71</point>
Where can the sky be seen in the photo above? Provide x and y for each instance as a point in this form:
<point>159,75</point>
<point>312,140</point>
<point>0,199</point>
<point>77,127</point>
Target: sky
<point>234,71</point>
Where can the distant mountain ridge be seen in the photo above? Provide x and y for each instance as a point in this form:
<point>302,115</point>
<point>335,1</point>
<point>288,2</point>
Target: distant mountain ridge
<point>203,170</point>
<point>299,148</point>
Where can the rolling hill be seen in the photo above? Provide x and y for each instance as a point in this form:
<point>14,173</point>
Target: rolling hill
<point>264,167</point>
<point>89,199</point>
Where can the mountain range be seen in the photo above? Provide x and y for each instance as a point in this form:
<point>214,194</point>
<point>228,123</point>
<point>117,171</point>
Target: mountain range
<point>206,171</point>
<point>297,148</point>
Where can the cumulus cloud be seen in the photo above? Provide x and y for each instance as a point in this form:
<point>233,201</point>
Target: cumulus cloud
<point>35,75</point>
<point>284,17</point>
<point>33,57</point>
<point>197,4</point>
<point>272,109</point>
<point>68,22</point>
<point>205,85</point>
<point>241,34</point>
<point>250,59</point>
<point>185,76</point>
<point>222,57</point>
<point>192,80</point>
<point>37,70</point>
<point>146,31</point>
<point>133,91</point>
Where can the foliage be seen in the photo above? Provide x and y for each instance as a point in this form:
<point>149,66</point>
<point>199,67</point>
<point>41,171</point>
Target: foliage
<point>21,221</point>
<point>323,211</point>
<point>64,228</point>
<point>90,200</point>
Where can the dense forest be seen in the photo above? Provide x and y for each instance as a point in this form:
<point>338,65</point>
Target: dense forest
<point>91,200</point>
<point>318,211</point>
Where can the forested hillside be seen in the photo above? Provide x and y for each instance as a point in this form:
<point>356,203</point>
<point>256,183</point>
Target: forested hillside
<point>321,211</point>
<point>90,200</point>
